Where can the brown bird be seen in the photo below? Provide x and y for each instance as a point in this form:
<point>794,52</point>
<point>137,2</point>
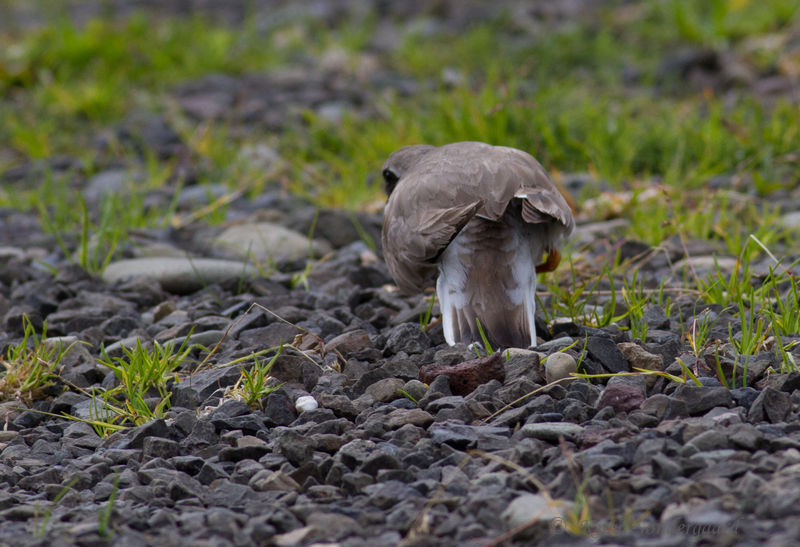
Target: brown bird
<point>475,219</point>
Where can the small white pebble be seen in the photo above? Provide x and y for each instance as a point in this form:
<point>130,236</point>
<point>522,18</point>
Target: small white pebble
<point>306,402</point>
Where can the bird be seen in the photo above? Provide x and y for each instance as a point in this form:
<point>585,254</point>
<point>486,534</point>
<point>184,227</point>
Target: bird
<point>475,220</point>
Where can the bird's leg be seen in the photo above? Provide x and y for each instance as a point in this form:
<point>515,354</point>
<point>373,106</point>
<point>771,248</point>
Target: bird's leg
<point>552,262</point>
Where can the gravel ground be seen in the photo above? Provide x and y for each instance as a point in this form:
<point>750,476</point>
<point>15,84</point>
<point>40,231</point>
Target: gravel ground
<point>513,461</point>
<point>651,462</point>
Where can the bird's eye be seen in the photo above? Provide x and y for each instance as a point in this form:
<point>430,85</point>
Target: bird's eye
<point>390,178</point>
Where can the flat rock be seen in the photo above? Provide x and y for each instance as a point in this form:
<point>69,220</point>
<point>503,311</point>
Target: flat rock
<point>551,431</point>
<point>179,275</point>
<point>266,241</point>
<point>531,508</point>
<point>605,351</point>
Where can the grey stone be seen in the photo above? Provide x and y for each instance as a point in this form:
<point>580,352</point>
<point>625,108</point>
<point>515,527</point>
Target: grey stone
<point>457,435</point>
<point>771,405</point>
<point>194,389</point>
<point>533,508</point>
<point>709,440</point>
<point>558,366</point>
<point>700,400</point>
<point>702,265</point>
<point>385,390</point>
<point>385,495</point>
<point>605,351</point>
<point>356,452</point>
<point>551,431</point>
<point>266,480</point>
<point>402,417</point>
<point>278,408</point>
<point>666,468</point>
<point>350,342</point>
<point>655,317</point>
<point>407,337</point>
<point>179,275</point>
<point>415,389</point>
<point>295,447</point>
<point>265,242</point>
<point>639,357</point>
<point>157,447</point>
<point>665,407</point>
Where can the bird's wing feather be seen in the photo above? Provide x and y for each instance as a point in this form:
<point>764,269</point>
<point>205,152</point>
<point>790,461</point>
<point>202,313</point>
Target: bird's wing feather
<point>412,245</point>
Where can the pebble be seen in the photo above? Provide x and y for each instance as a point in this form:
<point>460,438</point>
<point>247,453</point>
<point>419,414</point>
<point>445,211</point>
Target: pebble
<point>559,366</point>
<point>306,402</point>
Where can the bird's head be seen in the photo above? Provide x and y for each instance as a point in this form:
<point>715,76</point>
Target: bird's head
<point>400,162</point>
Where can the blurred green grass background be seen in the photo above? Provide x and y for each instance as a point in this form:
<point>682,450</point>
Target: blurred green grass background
<point>595,94</point>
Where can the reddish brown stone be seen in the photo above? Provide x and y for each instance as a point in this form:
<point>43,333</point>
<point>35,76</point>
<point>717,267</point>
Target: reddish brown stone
<point>465,377</point>
<point>621,397</point>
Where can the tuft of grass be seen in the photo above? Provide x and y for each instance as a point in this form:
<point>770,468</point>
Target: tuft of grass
<point>407,395</point>
<point>105,514</point>
<point>42,530</point>
<point>143,374</point>
<point>30,366</point>
<point>698,333</point>
<point>486,345</point>
<point>425,318</point>
<point>254,383</point>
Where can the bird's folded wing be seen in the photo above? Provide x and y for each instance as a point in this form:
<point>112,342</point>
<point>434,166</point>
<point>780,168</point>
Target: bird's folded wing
<point>418,240</point>
<point>438,227</point>
<point>545,205</point>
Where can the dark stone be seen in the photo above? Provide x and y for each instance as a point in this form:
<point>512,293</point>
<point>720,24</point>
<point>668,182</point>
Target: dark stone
<point>355,453</point>
<point>271,336</point>
<point>190,465</point>
<point>665,407</point>
<point>744,396</point>
<point>380,461</point>
<point>210,472</point>
<point>770,405</point>
<point>665,468</point>
<point>465,377</point>
<point>407,337</point>
<point>195,389</point>
<point>700,400</point>
<point>278,409</point>
<point>525,365</point>
<point>385,495</point>
<point>293,369</point>
<point>157,447</point>
<point>567,328</point>
<point>64,402</point>
<point>605,351</point>
<point>249,424</point>
<point>655,317</point>
<point>28,419</point>
<point>239,453</point>
<point>365,379</point>
<point>341,405</point>
<point>457,435</point>
<point>295,447</point>
<point>156,428</point>
<point>203,434</point>
<point>668,350</point>
<point>229,409</point>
